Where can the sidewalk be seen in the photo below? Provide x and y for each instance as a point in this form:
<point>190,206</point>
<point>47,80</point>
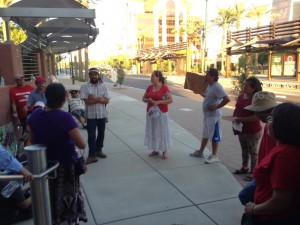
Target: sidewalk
<point>130,188</point>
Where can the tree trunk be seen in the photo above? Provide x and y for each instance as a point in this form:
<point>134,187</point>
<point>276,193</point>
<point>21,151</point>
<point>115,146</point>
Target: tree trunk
<point>223,46</point>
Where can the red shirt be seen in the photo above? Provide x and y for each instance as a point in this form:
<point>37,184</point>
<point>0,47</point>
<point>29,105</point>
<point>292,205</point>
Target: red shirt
<point>158,95</point>
<point>252,127</point>
<point>266,145</point>
<point>19,95</point>
<point>279,170</point>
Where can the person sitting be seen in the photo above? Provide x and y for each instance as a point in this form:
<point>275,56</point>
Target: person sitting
<point>18,206</point>
<point>77,107</point>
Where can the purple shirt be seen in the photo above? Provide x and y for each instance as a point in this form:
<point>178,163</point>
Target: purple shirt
<point>51,129</point>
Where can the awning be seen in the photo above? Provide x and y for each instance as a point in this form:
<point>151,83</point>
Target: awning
<point>57,26</point>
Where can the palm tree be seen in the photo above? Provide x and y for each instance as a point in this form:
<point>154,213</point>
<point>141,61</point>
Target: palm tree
<point>240,13</point>
<point>191,30</point>
<point>225,18</point>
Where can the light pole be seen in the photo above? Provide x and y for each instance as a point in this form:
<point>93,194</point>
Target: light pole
<point>205,37</point>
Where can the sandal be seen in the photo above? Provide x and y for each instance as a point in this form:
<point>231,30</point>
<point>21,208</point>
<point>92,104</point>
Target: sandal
<point>154,153</point>
<point>241,171</point>
<point>164,156</point>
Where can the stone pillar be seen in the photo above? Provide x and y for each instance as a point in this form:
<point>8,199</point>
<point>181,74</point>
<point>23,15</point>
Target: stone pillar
<point>42,64</point>
<point>270,65</point>
<point>298,65</point>
<point>10,62</point>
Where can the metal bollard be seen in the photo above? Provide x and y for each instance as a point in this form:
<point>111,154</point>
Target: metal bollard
<point>36,157</point>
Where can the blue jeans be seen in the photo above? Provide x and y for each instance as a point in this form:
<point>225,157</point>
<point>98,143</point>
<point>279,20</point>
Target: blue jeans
<point>95,142</point>
<point>247,193</point>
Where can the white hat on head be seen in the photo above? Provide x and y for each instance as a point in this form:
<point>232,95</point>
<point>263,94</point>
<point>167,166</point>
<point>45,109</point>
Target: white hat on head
<point>39,104</point>
<point>261,101</point>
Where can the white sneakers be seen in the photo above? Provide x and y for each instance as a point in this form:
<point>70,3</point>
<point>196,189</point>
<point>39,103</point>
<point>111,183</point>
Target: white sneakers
<point>212,159</point>
<point>197,153</point>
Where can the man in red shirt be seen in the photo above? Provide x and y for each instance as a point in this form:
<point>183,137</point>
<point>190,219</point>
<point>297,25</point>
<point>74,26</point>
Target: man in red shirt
<point>19,96</point>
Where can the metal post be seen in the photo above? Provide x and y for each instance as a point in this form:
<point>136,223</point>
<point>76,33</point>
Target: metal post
<point>205,37</point>
<point>36,157</point>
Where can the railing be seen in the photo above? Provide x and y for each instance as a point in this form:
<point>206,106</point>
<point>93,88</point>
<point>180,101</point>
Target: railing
<point>282,32</point>
<point>39,186</point>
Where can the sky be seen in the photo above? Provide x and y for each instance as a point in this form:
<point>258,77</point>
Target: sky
<point>110,20</point>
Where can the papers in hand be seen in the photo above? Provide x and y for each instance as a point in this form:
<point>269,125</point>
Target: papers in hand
<point>237,126</point>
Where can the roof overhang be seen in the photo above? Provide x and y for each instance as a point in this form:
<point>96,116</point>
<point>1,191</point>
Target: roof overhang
<point>56,30</point>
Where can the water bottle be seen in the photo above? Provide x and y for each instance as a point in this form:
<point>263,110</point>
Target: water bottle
<point>10,188</point>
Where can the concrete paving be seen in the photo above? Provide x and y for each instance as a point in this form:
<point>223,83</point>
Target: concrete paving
<point>130,188</point>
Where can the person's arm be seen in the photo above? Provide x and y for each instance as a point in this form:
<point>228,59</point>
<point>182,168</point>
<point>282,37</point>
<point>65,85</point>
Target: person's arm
<point>8,162</point>
<point>26,203</point>
<point>246,119</point>
<point>279,202</point>
<point>224,101</point>
<point>14,109</point>
<point>166,101</point>
<point>77,138</point>
<point>145,98</point>
<point>94,100</point>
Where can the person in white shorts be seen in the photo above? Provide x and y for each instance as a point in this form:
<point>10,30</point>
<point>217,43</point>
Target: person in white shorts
<point>214,98</point>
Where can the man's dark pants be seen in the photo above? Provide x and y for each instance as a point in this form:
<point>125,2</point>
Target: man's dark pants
<point>95,142</point>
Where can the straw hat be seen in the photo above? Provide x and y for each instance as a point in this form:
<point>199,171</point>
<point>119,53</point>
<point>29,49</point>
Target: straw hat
<point>261,101</point>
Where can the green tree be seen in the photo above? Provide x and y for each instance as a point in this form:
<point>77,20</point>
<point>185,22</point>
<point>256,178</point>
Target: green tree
<point>226,18</point>
<point>239,13</point>
<point>263,59</point>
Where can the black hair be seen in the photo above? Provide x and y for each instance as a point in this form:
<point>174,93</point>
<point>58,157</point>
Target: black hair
<point>254,83</point>
<point>286,123</point>
<point>213,73</point>
<point>56,95</point>
<point>160,76</point>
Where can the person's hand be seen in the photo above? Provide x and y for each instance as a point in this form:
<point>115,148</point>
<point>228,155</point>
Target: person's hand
<point>27,175</point>
<point>91,96</point>
<point>249,208</point>
<point>212,107</point>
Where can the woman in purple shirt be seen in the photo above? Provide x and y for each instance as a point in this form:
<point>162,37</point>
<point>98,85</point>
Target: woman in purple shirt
<point>57,130</point>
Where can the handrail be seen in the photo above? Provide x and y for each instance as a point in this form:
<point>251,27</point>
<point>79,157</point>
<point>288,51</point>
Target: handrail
<point>35,176</point>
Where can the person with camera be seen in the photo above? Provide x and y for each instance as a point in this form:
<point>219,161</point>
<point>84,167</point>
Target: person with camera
<point>58,130</point>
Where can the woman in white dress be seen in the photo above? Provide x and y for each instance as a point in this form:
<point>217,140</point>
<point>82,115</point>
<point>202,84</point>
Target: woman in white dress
<point>157,97</point>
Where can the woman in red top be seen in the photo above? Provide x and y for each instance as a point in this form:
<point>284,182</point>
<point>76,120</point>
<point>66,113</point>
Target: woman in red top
<point>157,97</point>
<point>277,198</point>
<point>250,134</point>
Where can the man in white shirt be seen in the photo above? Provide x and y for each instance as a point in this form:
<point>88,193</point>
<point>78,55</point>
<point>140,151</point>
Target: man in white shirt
<point>95,95</point>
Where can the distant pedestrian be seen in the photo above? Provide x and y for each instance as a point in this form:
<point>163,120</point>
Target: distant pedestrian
<point>157,97</point>
<point>250,133</point>
<point>214,99</point>
<point>95,95</point>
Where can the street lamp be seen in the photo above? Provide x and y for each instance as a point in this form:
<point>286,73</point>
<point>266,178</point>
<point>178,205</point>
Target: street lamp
<point>205,35</point>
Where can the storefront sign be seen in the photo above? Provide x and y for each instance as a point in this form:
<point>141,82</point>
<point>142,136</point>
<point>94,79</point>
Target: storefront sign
<point>289,65</point>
